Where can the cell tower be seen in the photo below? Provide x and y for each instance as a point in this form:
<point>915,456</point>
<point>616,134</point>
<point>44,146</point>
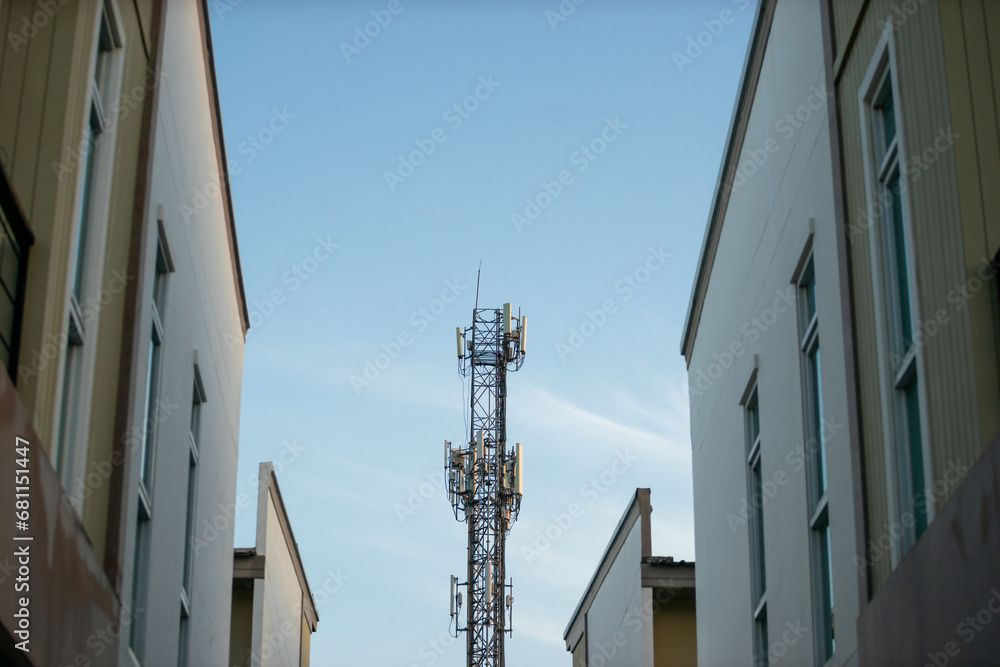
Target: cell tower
<point>484,481</point>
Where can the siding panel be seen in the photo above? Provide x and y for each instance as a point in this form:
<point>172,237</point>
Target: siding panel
<point>940,253</point>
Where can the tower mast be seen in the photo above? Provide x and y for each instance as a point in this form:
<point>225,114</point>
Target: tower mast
<point>484,480</point>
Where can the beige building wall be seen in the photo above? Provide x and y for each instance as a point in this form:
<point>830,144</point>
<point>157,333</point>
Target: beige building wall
<point>950,143</point>
<point>45,71</point>
<point>47,66</point>
<point>283,612</point>
<point>241,632</point>
<point>970,33</point>
<point>637,610</point>
<point>675,629</point>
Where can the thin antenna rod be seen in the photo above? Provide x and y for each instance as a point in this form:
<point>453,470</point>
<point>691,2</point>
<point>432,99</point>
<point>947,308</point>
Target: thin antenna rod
<point>478,274</point>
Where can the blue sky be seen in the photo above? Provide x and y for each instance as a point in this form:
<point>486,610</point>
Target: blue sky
<point>593,120</point>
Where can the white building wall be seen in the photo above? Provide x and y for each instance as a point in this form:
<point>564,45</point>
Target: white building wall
<point>278,596</point>
<point>614,622</point>
<point>202,310</point>
<point>750,311</point>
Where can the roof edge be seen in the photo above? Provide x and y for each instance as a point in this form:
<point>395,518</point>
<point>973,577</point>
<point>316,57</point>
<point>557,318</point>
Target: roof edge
<point>720,200</point>
<point>641,508</point>
<point>293,547</point>
<point>220,143</point>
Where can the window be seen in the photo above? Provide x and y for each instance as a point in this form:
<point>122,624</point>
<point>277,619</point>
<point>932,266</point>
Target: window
<point>816,451</point>
<point>15,239</point>
<point>896,304</point>
<point>140,581</point>
<point>152,394</point>
<point>192,486</point>
<point>198,398</point>
<point>755,502</point>
<point>184,642</point>
<point>70,451</point>
<point>147,453</point>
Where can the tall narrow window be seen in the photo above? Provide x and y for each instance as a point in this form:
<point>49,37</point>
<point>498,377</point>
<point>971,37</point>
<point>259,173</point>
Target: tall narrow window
<point>152,417</point>
<point>892,266</point>
<point>816,453</point>
<point>70,450</point>
<point>198,398</point>
<point>140,580</point>
<point>152,394</point>
<point>15,241</point>
<point>755,501</point>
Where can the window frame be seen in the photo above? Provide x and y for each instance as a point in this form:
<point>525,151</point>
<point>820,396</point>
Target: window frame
<point>895,370</point>
<point>85,261</point>
<point>750,404</point>
<point>816,455</point>
<point>18,239</point>
<point>159,289</point>
<point>198,399</point>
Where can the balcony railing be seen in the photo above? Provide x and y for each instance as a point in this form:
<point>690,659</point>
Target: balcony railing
<point>15,240</point>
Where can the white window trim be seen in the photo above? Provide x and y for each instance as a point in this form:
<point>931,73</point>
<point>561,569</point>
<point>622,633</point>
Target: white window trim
<point>884,60</point>
<point>94,269</point>
<point>818,504</point>
<point>753,459</point>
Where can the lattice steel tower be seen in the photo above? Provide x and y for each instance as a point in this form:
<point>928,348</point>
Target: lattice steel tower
<point>484,480</point>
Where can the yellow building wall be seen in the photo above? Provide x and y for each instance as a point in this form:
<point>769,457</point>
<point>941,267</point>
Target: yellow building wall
<point>971,34</point>
<point>962,391</point>
<point>675,635</point>
<point>580,653</point>
<point>306,636</point>
<point>137,84</point>
<point>241,630</point>
<point>44,75</point>
<point>45,70</point>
